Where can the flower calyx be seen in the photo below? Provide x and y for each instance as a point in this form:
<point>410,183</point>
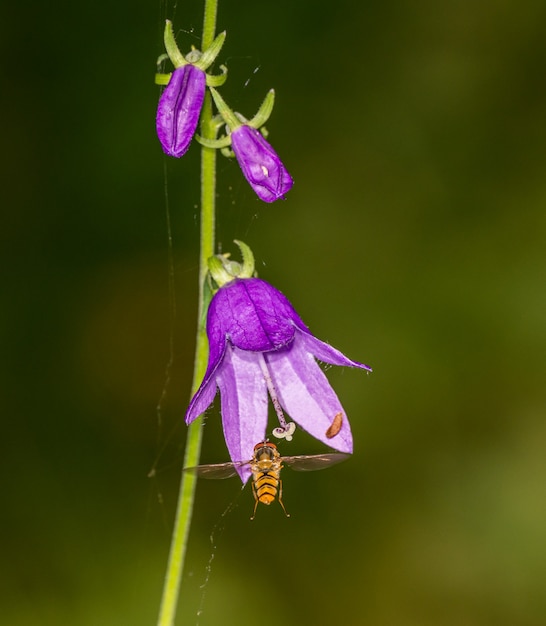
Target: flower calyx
<point>201,60</point>
<point>223,270</point>
<point>234,120</point>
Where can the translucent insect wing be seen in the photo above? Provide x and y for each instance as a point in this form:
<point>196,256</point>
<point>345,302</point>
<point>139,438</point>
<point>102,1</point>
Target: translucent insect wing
<point>216,470</point>
<point>312,462</point>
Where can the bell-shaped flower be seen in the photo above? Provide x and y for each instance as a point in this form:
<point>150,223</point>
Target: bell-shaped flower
<point>259,345</point>
<point>180,103</point>
<point>179,109</point>
<point>260,164</point>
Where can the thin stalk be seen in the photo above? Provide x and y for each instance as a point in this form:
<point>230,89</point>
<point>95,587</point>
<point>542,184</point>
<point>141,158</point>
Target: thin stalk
<point>186,496</point>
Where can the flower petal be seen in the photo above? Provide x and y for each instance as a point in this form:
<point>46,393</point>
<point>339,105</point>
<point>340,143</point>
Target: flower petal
<point>202,399</point>
<point>325,352</point>
<point>204,396</point>
<point>244,405</point>
<point>179,109</point>
<point>252,314</point>
<point>307,396</point>
<point>260,164</point>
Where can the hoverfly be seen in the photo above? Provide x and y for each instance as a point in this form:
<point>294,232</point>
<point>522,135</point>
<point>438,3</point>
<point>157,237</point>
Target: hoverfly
<point>266,465</point>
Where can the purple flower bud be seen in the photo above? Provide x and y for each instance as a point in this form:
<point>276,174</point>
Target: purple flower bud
<point>179,109</point>
<point>260,164</point>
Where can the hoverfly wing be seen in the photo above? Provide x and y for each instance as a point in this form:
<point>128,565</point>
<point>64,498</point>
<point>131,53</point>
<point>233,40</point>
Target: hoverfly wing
<point>216,470</point>
<point>312,462</point>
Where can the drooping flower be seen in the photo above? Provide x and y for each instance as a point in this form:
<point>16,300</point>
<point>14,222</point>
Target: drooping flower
<point>180,103</point>
<point>258,344</point>
<point>260,164</point>
<point>179,109</point>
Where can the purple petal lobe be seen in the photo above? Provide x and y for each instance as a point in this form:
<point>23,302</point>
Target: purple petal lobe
<point>307,396</point>
<point>253,315</point>
<point>204,396</point>
<point>260,164</point>
<point>244,405</point>
<point>179,109</point>
<point>326,353</point>
<point>202,399</point>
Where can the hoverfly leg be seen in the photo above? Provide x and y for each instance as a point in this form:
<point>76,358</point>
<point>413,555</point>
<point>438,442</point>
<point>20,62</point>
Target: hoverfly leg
<point>280,499</point>
<point>255,501</point>
<point>254,512</point>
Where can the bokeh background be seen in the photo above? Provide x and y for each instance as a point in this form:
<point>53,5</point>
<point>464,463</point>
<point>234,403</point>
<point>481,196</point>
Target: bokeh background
<point>414,240</point>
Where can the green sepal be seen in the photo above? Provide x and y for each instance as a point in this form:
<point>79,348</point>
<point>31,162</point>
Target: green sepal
<point>218,272</point>
<point>234,119</point>
<point>264,111</point>
<point>210,54</point>
<point>201,60</point>
<point>217,80</point>
<point>208,292</point>
<point>227,152</point>
<point>160,59</point>
<point>223,142</point>
<point>247,269</point>
<point>176,57</point>
<point>162,79</point>
<point>223,270</point>
<point>229,116</point>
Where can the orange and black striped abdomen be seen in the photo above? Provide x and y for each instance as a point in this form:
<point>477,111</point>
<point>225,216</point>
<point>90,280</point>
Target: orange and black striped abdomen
<point>266,470</point>
<point>265,485</point>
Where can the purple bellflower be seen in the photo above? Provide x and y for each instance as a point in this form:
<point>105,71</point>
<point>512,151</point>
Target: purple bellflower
<point>180,103</point>
<point>179,109</point>
<point>258,344</point>
<point>259,163</point>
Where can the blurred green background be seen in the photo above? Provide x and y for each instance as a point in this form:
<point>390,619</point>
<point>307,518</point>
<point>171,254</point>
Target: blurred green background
<point>413,240</point>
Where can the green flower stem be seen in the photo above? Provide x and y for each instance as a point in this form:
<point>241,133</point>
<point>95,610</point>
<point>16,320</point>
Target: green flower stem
<point>209,23</point>
<point>186,496</point>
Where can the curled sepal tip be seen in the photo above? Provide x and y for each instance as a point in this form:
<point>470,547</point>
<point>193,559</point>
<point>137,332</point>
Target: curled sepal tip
<point>223,270</point>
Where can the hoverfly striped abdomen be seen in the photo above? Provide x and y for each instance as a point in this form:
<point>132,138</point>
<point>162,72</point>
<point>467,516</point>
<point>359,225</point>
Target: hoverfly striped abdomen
<point>266,471</point>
